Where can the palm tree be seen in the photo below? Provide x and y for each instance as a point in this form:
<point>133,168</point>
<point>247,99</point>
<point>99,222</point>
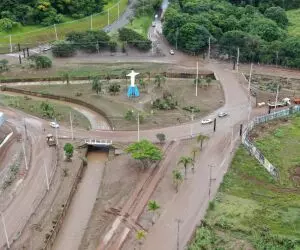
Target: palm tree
<point>159,80</point>
<point>140,236</point>
<point>185,161</point>
<point>153,206</point>
<point>201,138</point>
<point>194,152</point>
<point>177,178</point>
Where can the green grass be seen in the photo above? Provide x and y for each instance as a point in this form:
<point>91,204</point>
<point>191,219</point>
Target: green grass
<point>141,24</point>
<point>294,19</point>
<point>252,210</point>
<point>33,35</point>
<point>32,106</point>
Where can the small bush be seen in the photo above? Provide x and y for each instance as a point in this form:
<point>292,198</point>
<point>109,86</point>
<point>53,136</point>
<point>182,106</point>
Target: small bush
<point>168,103</point>
<point>41,62</point>
<point>114,88</point>
<point>191,109</point>
<point>63,49</point>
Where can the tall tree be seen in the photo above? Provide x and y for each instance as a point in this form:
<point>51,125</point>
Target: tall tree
<point>185,161</point>
<point>201,138</point>
<point>69,150</point>
<point>177,178</point>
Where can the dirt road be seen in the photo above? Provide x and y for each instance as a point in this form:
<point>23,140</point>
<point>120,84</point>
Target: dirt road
<point>82,204</point>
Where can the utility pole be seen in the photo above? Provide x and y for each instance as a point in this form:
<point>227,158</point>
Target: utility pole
<point>5,232</point>
<point>210,180</point>
<point>276,100</point>
<point>238,59</point>
<point>25,128</point>
<point>25,158</point>
<point>192,123</point>
<point>208,55</point>
<point>118,10</point>
<point>138,121</point>
<point>176,37</point>
<point>178,231</point>
<point>108,17</point>
<point>56,136</point>
<point>71,122</point>
<point>197,79</point>
<point>92,22</point>
<point>11,48</point>
<point>56,37</point>
<point>249,91</point>
<point>47,180</point>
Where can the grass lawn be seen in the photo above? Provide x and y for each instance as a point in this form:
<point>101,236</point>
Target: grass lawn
<point>141,24</point>
<point>294,19</point>
<point>33,35</point>
<point>251,210</point>
<point>33,107</point>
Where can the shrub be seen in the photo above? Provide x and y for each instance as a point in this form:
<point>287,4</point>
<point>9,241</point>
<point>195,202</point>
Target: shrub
<point>167,103</point>
<point>7,24</point>
<point>63,49</point>
<point>112,46</point>
<point>41,62</point>
<point>134,39</point>
<point>114,88</point>
<point>3,65</point>
<point>161,137</point>
<point>191,109</point>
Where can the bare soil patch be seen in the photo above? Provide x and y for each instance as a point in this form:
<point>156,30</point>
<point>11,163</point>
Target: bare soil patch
<point>115,106</point>
<point>42,223</point>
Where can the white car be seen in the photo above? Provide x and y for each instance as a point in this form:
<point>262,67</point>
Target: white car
<point>172,52</point>
<point>54,124</point>
<point>206,121</point>
<point>222,114</point>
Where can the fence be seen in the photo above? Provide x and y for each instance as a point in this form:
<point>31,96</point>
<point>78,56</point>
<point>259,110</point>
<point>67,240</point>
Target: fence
<point>255,151</point>
<point>34,38</point>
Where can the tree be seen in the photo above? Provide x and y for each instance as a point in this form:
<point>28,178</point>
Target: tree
<point>278,15</point>
<point>185,161</point>
<point>96,84</point>
<point>3,65</point>
<point>41,62</point>
<point>159,80</point>
<point>177,178</point>
<point>114,88</point>
<point>140,236</point>
<point>63,49</point>
<point>161,137</point>
<point>144,151</point>
<point>153,206</point>
<point>194,151</point>
<point>69,150</point>
<point>7,24</point>
<point>201,138</point>
<point>47,110</point>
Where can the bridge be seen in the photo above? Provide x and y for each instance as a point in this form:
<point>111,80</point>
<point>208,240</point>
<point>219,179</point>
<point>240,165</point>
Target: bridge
<point>94,142</point>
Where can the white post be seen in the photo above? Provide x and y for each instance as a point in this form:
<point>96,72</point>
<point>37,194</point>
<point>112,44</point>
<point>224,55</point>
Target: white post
<point>118,10</point>
<point>23,145</point>
<point>91,22</point>
<point>138,121</point>
<point>11,48</point>
<point>56,37</point>
<point>208,49</point>
<point>71,122</point>
<point>47,180</point>
<point>108,17</point>
<point>197,79</point>
<point>56,134</point>
<point>5,232</point>
<point>238,59</point>
<point>276,100</point>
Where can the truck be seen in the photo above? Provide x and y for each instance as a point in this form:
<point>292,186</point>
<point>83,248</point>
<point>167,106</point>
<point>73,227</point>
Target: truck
<point>285,102</point>
<point>50,140</point>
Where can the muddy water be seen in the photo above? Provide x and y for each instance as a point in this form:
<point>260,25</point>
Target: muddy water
<point>81,207</point>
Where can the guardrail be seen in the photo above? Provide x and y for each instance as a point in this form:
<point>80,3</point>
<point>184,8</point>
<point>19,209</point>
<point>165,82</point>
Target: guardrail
<point>254,150</point>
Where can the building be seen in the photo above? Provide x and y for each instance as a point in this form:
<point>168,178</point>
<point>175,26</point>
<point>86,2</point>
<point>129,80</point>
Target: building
<point>2,119</point>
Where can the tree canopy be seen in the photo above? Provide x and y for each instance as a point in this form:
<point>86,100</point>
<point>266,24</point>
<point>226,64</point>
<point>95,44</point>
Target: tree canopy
<point>46,12</point>
<point>258,28</point>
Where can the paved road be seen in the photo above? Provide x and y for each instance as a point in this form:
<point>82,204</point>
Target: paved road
<point>26,201</point>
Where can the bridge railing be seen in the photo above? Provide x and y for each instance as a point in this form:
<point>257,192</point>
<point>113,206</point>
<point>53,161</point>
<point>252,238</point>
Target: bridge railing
<point>98,142</point>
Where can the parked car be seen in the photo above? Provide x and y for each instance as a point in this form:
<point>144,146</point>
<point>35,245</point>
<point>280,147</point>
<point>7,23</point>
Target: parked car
<point>172,52</point>
<point>206,121</point>
<point>54,124</point>
<point>222,114</point>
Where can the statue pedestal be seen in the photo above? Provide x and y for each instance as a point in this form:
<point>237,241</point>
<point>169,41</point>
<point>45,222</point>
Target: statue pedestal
<point>133,91</point>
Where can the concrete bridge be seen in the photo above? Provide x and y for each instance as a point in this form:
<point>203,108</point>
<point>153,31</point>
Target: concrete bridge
<point>99,143</point>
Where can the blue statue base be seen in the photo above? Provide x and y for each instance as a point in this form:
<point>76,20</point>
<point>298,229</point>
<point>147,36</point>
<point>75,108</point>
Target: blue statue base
<point>133,91</point>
